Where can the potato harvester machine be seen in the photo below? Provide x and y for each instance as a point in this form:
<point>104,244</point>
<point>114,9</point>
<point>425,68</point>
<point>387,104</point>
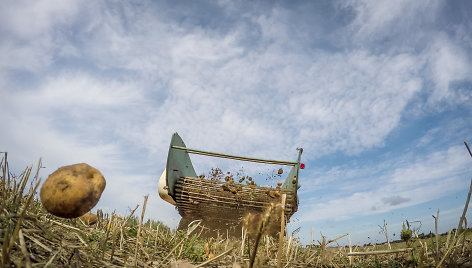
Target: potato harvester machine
<point>218,201</point>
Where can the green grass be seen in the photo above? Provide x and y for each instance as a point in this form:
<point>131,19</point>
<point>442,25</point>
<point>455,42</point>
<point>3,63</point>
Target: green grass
<point>31,237</point>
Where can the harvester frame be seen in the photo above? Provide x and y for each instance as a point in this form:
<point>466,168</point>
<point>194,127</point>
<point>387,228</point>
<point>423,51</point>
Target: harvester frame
<point>219,202</point>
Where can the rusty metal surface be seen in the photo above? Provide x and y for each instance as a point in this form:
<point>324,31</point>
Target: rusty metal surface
<point>214,199</point>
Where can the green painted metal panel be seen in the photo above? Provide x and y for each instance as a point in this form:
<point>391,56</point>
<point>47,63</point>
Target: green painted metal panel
<point>178,164</point>
<point>288,184</point>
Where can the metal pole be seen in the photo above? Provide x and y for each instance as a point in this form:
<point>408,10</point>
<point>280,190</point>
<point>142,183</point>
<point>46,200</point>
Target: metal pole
<point>241,158</point>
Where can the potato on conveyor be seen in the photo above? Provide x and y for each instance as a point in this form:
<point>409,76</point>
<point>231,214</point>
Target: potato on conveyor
<point>71,191</point>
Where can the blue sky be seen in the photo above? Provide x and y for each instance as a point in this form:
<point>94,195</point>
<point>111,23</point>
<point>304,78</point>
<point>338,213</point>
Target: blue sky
<point>378,93</point>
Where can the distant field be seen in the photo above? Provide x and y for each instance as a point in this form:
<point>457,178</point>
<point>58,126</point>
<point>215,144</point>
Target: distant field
<point>31,237</point>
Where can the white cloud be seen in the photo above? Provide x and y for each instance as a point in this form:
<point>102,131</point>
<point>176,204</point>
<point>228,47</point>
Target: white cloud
<point>28,138</point>
<point>320,107</point>
<point>86,92</point>
<point>448,63</point>
<point>68,119</point>
<point>28,20</point>
<point>415,181</point>
<point>405,26</point>
<point>29,57</point>
<point>347,101</point>
<point>269,98</point>
<point>376,20</point>
<point>428,137</point>
<point>28,29</point>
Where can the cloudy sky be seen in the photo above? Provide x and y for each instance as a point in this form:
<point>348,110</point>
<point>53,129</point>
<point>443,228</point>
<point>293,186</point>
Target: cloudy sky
<point>378,93</point>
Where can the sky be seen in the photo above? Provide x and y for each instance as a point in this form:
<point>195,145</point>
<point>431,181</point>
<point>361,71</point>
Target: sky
<point>377,93</point>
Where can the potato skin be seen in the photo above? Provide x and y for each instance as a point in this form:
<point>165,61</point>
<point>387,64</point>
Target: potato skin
<point>89,218</point>
<point>71,191</point>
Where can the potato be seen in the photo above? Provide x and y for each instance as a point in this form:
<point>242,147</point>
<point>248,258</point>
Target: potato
<point>89,218</point>
<point>71,191</point>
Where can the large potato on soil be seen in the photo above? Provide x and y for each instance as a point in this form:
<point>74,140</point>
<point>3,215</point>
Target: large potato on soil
<point>71,191</point>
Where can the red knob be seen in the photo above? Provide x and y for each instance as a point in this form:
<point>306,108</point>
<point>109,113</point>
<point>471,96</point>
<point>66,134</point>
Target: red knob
<point>302,166</point>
